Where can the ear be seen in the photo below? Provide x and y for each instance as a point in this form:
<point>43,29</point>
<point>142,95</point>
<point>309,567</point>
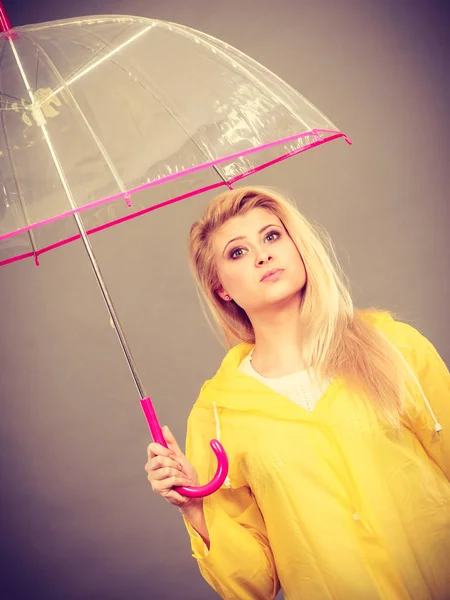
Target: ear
<point>222,293</point>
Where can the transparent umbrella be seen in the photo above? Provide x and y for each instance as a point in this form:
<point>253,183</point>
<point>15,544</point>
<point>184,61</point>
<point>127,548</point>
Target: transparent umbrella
<point>106,118</point>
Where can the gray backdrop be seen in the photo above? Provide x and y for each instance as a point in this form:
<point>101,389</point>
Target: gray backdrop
<point>79,520</point>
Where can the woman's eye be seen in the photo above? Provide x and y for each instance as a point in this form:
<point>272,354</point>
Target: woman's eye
<point>273,235</point>
<point>236,253</point>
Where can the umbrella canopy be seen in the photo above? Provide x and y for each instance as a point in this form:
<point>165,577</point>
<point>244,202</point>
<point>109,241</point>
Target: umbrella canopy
<point>95,111</point>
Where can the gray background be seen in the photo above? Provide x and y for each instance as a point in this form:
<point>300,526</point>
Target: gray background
<point>78,518</point>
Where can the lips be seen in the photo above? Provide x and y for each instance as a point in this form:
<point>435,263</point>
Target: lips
<point>271,273</point>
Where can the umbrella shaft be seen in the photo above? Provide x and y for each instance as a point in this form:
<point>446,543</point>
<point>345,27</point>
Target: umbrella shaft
<point>110,307</point>
<point>42,123</point>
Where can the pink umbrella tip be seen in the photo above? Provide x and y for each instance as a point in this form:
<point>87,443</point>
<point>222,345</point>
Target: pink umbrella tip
<point>5,25</point>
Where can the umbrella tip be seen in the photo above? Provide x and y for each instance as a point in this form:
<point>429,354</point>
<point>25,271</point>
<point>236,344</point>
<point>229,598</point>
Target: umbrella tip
<point>5,25</point>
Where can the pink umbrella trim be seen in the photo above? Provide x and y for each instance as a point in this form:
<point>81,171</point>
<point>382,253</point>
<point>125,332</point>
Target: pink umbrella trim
<point>126,195</point>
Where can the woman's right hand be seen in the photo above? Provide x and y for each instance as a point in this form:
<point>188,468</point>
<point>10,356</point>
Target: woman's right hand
<point>168,467</point>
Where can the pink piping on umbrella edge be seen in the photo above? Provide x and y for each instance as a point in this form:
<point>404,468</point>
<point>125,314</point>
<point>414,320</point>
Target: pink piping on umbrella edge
<point>212,163</point>
<point>288,155</point>
<point>73,238</point>
<point>162,204</point>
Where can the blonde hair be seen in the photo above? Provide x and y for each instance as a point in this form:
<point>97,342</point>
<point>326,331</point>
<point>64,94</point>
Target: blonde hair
<point>337,339</point>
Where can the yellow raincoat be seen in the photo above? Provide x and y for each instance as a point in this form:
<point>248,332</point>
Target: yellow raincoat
<point>328,504</point>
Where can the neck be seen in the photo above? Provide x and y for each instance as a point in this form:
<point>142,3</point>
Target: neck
<point>278,340</point>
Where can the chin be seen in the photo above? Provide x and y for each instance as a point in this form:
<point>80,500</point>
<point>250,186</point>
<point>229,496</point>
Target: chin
<point>280,299</point>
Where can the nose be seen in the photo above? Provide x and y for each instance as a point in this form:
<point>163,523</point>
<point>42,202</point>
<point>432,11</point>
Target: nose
<point>263,257</point>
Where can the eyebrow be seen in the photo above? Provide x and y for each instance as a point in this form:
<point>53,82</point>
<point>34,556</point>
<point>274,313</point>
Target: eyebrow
<point>243,237</point>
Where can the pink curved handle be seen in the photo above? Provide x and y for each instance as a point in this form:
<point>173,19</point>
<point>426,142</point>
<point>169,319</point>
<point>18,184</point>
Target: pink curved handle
<point>217,448</point>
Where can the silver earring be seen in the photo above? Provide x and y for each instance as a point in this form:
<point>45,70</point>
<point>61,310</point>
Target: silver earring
<point>227,298</point>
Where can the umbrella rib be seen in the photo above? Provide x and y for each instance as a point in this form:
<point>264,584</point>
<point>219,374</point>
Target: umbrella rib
<point>14,175</point>
<point>15,100</point>
<point>205,40</point>
<point>99,144</point>
<point>173,115</point>
<point>93,58</point>
<point>37,69</point>
<point>171,112</point>
<point>19,190</point>
<point>91,65</point>
<point>206,37</point>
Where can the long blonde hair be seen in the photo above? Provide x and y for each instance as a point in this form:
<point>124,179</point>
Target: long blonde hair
<point>337,339</point>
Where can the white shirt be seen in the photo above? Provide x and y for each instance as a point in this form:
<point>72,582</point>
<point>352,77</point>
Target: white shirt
<point>299,387</point>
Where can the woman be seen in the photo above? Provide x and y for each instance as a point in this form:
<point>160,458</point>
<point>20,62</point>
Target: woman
<point>335,422</point>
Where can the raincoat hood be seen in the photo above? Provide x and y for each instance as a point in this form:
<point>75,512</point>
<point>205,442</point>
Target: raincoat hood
<point>233,390</point>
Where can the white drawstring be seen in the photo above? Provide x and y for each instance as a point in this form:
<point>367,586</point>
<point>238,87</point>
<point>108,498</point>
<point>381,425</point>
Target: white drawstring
<point>437,426</point>
<point>227,482</point>
<point>216,417</point>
